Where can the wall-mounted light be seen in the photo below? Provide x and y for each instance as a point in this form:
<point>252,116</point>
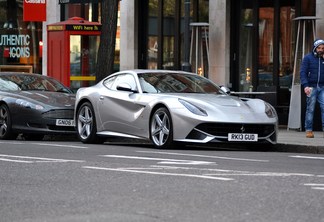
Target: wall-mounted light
<point>9,25</point>
<point>200,71</point>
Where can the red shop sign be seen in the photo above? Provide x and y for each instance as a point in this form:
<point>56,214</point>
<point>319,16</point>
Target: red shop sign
<point>34,10</point>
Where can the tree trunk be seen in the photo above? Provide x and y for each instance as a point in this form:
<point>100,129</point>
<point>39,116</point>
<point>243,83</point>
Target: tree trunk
<point>106,51</point>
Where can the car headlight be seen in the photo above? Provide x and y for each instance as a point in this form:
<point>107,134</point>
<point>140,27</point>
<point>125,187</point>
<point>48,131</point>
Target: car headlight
<point>192,108</point>
<point>270,111</point>
<point>29,105</point>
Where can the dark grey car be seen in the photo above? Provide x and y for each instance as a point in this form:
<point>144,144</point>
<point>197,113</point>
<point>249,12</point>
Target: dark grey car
<point>34,105</point>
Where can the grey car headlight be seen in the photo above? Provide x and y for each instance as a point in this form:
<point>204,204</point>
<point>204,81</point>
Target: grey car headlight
<point>193,108</point>
<point>270,111</point>
<point>29,105</point>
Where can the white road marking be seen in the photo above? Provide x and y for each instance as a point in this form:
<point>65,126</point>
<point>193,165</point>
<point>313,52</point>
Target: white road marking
<point>222,172</point>
<point>17,161</point>
<point>194,168</point>
<point>309,157</point>
<point>315,186</point>
<point>45,144</point>
<point>130,170</point>
<point>30,159</point>
<point>10,142</point>
<point>163,161</point>
<point>60,145</point>
<point>265,174</point>
<point>318,188</point>
<point>196,155</point>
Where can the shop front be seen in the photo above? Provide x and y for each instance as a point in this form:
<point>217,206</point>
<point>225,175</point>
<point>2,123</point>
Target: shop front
<point>21,42</point>
<point>263,40</point>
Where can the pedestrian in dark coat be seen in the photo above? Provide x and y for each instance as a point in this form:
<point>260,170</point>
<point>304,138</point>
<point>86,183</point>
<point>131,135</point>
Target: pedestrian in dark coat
<point>312,81</point>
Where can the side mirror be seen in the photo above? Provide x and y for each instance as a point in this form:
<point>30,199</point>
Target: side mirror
<point>124,87</point>
<point>225,89</point>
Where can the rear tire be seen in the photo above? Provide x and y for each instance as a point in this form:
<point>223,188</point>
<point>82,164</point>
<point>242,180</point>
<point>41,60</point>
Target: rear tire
<point>161,132</point>
<point>86,124</point>
<point>5,124</point>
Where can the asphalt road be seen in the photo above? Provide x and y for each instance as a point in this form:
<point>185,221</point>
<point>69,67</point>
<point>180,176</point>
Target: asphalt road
<point>70,181</point>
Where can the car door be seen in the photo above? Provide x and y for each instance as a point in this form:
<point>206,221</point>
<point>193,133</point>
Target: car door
<point>118,110</point>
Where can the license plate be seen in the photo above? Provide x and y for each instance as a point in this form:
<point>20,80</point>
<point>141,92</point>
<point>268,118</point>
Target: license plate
<point>65,122</point>
<point>242,137</point>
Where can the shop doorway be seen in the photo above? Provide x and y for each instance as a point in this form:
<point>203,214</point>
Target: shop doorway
<point>262,48</point>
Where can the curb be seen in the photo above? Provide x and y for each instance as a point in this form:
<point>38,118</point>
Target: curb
<point>293,148</point>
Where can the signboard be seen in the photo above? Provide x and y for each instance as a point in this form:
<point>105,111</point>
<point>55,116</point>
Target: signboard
<point>77,1</point>
<point>34,10</point>
<point>15,46</point>
<point>76,27</point>
<point>83,27</point>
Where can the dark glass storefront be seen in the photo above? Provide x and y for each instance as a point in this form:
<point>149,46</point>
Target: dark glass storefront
<point>161,32</point>
<point>20,42</point>
<point>263,39</point>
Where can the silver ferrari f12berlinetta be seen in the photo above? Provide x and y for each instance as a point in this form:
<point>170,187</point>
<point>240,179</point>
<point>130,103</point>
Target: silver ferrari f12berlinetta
<point>170,107</point>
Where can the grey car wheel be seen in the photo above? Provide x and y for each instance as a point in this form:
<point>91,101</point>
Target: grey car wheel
<point>5,124</point>
<point>161,128</point>
<point>86,124</point>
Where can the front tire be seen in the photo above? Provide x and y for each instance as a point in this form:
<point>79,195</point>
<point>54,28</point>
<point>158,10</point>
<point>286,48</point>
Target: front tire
<point>161,131</point>
<point>5,124</point>
<point>86,124</point>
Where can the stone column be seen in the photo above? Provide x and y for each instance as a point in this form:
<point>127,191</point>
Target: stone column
<point>52,16</point>
<point>128,35</point>
<point>219,41</point>
<point>320,21</point>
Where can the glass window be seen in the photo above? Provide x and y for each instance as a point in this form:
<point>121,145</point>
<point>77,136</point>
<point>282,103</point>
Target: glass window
<point>110,81</point>
<point>245,61</point>
<point>203,11</point>
<point>152,43</point>
<point>286,56</point>
<point>165,26</point>
<point>20,42</point>
<point>176,83</point>
<point>168,33</point>
<point>83,59</point>
<point>91,12</point>
<point>266,30</point>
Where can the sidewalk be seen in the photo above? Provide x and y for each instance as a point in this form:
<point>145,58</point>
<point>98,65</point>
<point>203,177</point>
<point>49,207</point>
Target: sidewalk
<point>295,141</point>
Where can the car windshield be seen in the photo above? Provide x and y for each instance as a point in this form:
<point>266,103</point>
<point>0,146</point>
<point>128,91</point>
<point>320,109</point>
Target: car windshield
<point>31,82</point>
<point>176,83</point>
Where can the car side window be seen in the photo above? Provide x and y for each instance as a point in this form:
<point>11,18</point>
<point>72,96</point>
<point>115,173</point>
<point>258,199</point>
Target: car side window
<point>109,82</point>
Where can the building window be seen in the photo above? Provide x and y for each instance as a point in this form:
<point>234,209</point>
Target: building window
<point>20,42</point>
<point>266,46</point>
<point>91,12</point>
<point>161,39</point>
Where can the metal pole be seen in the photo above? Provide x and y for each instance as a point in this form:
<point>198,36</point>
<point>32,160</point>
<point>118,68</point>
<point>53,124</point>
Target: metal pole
<point>186,65</point>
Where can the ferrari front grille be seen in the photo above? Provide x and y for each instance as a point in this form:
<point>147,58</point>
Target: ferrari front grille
<point>59,114</point>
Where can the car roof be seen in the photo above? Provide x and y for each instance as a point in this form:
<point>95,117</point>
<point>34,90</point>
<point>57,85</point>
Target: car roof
<point>155,71</point>
<point>17,73</point>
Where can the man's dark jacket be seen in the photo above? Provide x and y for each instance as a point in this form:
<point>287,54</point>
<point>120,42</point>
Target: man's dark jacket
<point>312,71</point>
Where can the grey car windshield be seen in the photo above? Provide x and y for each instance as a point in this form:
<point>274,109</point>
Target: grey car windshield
<point>176,83</point>
<point>31,82</point>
